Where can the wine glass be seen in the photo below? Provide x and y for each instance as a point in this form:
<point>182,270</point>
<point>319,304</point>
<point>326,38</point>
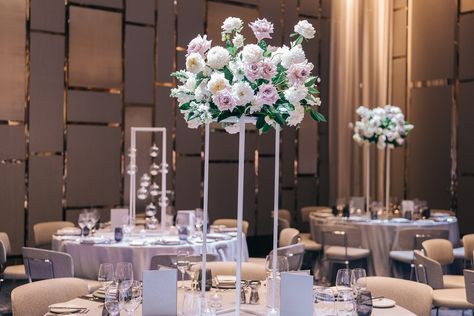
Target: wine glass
<point>132,297</point>
<point>95,215</point>
<point>82,221</point>
<point>325,301</point>
<point>124,275</point>
<point>281,264</point>
<point>113,302</point>
<point>106,274</point>
<point>89,223</point>
<point>358,280</point>
<point>345,303</point>
<point>343,279</point>
<point>182,223</point>
<point>199,220</point>
<point>191,303</point>
<point>182,263</point>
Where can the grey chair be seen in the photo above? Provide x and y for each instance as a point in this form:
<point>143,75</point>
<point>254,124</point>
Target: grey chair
<point>10,272</point>
<point>43,232</point>
<point>407,241</point>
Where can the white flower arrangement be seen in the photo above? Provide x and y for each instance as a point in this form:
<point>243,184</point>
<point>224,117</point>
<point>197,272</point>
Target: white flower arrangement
<point>385,126</point>
<point>273,84</point>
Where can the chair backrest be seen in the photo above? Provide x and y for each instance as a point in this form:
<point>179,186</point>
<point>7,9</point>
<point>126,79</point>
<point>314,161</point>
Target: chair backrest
<point>468,243</point>
<point>231,223</point>
<point>403,292</point>
<point>284,214</point>
<point>170,260</point>
<point>6,242</point>
<point>249,271</point>
<point>412,238</point>
<point>47,264</point>
<point>469,284</point>
<point>316,227</point>
<point>440,250</point>
<point>288,236</point>
<point>43,232</point>
<point>33,299</point>
<point>294,254</point>
<point>305,211</point>
<point>3,255</point>
<point>428,271</point>
<point>282,224</point>
<point>346,236</point>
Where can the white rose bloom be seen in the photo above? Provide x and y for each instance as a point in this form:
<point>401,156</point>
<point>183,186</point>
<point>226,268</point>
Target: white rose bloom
<point>194,123</point>
<point>218,57</point>
<point>276,56</point>
<point>190,84</point>
<point>236,68</point>
<point>294,56</point>
<point>202,94</point>
<point>232,24</point>
<point>256,106</point>
<point>295,94</point>
<point>238,40</point>
<point>296,116</point>
<point>252,53</point>
<point>305,29</point>
<point>217,83</point>
<point>243,92</point>
<point>195,63</point>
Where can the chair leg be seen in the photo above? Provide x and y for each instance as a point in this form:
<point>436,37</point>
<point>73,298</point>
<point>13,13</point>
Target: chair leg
<point>412,271</point>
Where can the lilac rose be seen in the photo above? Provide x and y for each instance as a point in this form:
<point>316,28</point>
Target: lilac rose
<point>253,71</point>
<point>199,45</point>
<point>267,94</point>
<point>298,73</point>
<point>224,100</point>
<point>261,28</point>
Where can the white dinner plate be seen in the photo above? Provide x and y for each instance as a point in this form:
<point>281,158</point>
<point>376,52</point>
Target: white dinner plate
<point>64,308</point>
<point>383,303</point>
<point>99,294</point>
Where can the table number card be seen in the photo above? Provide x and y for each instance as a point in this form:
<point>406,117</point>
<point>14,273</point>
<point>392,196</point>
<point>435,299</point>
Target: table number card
<point>160,292</point>
<point>118,217</point>
<point>296,294</point>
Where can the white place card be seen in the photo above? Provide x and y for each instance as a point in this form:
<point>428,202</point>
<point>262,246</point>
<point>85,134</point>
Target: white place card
<point>160,292</point>
<point>118,217</point>
<point>296,294</point>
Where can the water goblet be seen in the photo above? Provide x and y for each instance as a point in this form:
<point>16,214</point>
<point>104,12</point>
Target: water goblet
<point>113,301</point>
<point>345,305</point>
<point>132,297</point>
<point>343,280</point>
<point>182,263</point>
<point>124,275</point>
<point>325,301</point>
<point>82,222</point>
<point>106,274</point>
<point>191,303</point>
<point>358,280</point>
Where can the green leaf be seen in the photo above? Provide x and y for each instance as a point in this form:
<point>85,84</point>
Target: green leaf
<point>262,45</point>
<point>294,34</point>
<point>185,106</point>
<point>318,117</point>
<point>224,115</point>
<point>265,128</point>
<point>279,119</point>
<point>260,121</point>
<point>267,54</point>
<point>299,40</point>
<point>228,74</point>
<point>310,82</point>
<point>312,90</point>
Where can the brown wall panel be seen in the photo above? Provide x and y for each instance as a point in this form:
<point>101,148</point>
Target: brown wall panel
<point>433,39</point>
<point>47,15</point>
<point>288,157</point>
<point>188,183</point>
<point>93,165</point>
<point>429,146</point>
<point>224,146</point>
<point>466,47</point>
<point>95,48</point>
<point>164,117</point>
<point>118,4</point>
<point>399,82</point>
<point>46,92</point>
<point>142,11</point>
<point>139,71</point>
<point>305,193</point>
<point>399,4</point>
<point>12,59</point>
<point>466,129</point>
<point>45,190</point>
<point>12,195</point>
<point>310,7</point>
<point>271,10</point>
<point>266,143</point>
<point>12,142</point>
<point>191,20</point>
<point>467,5</point>
<point>94,107</point>
<point>266,174</point>
<point>165,48</point>
<point>188,141</point>
<point>465,202</point>
<point>400,33</point>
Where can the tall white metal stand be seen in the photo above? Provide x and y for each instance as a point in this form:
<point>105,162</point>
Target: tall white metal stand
<point>387,178</point>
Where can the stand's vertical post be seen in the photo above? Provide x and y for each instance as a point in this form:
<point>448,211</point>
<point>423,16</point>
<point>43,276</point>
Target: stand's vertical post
<point>205,210</point>
<point>387,178</point>
<point>367,177</point>
<point>133,152</point>
<point>164,169</point>
<point>275,213</point>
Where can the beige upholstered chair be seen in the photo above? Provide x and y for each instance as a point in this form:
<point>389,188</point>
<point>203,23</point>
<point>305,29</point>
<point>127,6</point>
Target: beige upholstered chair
<point>249,271</point>
<point>430,272</point>
<point>288,236</point>
<point>440,250</point>
<point>231,223</point>
<point>403,292</point>
<point>284,214</point>
<point>305,211</point>
<point>13,272</point>
<point>469,282</point>
<point>33,299</point>
<point>460,298</point>
<point>467,249</point>
<point>43,264</point>
<point>43,232</point>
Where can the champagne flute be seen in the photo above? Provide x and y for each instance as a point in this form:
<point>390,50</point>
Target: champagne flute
<point>106,274</point>
<point>343,279</point>
<point>132,297</point>
<point>124,275</point>
<point>182,263</point>
<point>113,302</point>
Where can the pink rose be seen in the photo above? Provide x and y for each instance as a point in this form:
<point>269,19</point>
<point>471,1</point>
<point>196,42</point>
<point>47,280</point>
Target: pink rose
<point>224,100</point>
<point>267,94</point>
<point>298,73</point>
<point>199,45</point>
<point>253,71</point>
<point>268,70</point>
<point>261,28</point>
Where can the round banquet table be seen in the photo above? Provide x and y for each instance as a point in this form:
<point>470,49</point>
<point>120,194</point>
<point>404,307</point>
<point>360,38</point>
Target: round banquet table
<point>380,237</point>
<point>88,257</point>
<point>95,308</point>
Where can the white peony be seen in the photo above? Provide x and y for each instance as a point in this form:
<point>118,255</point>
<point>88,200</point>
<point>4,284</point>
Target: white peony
<point>296,117</point>
<point>232,24</point>
<point>276,55</point>
<point>295,94</point>
<point>252,54</point>
<point>293,56</point>
<point>255,106</point>
<point>305,29</point>
<point>238,40</point>
<point>243,92</point>
<point>217,83</point>
<point>236,67</point>
<point>195,63</point>
<point>218,57</point>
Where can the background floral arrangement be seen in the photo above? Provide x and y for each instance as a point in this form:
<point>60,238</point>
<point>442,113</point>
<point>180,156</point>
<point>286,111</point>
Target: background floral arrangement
<point>273,84</point>
<point>385,126</point>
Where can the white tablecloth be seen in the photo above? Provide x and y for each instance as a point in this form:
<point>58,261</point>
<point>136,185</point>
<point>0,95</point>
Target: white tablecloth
<point>379,237</point>
<point>87,258</point>
<point>228,300</point>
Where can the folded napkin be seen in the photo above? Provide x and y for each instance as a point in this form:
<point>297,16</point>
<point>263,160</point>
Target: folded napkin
<point>226,279</point>
<point>75,231</point>
<point>95,240</point>
<point>218,236</point>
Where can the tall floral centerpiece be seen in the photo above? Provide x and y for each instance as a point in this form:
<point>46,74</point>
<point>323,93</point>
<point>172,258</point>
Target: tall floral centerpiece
<point>238,83</point>
<point>385,126</point>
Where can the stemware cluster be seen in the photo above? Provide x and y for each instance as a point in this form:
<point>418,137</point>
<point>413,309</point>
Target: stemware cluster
<point>349,297</point>
<point>88,219</point>
<point>121,291</point>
